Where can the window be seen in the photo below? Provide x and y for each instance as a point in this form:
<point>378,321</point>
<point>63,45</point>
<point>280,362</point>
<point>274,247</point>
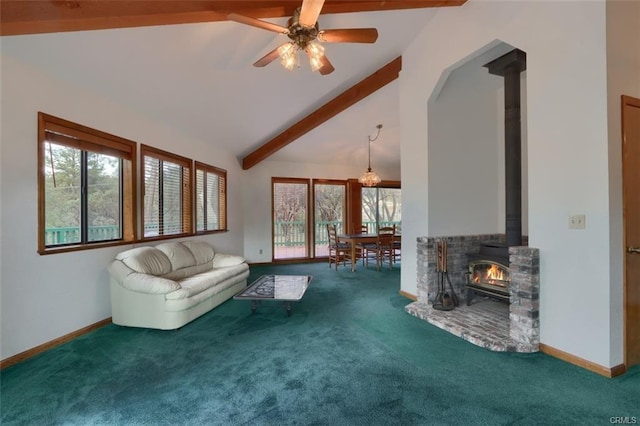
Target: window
<point>381,207</point>
<point>166,209</point>
<point>211,198</point>
<point>86,187</point>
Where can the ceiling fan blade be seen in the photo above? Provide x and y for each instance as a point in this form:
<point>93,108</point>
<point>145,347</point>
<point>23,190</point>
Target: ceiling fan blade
<point>258,23</point>
<point>349,35</point>
<point>309,12</point>
<point>268,58</point>
<point>327,67</point>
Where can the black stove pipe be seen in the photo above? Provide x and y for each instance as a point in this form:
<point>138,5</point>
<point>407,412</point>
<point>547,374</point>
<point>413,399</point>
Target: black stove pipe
<point>510,66</point>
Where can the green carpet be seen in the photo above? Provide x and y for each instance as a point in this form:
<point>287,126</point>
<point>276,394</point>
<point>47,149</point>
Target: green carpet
<point>348,355</point>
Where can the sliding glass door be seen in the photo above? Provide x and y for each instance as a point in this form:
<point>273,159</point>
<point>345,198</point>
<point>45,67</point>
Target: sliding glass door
<point>329,208</point>
<point>290,218</point>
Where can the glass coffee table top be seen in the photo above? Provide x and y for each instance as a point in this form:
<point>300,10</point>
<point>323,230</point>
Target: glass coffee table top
<point>285,288</point>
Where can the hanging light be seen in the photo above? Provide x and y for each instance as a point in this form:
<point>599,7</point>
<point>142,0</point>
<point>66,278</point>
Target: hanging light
<point>370,178</point>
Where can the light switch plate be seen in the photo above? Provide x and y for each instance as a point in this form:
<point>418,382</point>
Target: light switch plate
<point>577,221</point>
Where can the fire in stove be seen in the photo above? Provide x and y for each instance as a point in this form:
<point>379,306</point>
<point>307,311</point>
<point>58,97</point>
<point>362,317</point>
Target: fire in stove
<point>488,278</point>
<point>493,275</point>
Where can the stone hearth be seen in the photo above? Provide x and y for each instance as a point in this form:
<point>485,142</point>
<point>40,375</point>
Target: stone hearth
<point>485,324</point>
<point>494,325</point>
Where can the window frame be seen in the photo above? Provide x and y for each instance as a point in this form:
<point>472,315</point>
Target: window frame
<point>222,197</point>
<point>187,191</point>
<point>86,139</point>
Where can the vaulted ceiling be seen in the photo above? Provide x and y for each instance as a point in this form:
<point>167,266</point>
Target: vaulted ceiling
<point>182,63</point>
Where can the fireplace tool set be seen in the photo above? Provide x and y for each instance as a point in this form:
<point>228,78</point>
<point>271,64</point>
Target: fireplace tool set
<point>444,300</point>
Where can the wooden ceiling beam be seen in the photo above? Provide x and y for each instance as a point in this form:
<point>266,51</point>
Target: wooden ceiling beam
<point>351,96</point>
<point>46,16</point>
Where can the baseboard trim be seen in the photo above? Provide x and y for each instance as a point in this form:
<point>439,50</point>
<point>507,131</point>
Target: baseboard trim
<point>581,362</point>
<point>12,360</point>
<point>409,295</point>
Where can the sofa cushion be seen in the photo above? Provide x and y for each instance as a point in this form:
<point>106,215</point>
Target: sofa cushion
<point>146,260</point>
<point>196,284</point>
<point>177,305</point>
<point>179,255</point>
<point>225,260</point>
<point>202,252</point>
<point>183,273</point>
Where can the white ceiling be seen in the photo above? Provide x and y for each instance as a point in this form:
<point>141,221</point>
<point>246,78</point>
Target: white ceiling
<point>199,79</point>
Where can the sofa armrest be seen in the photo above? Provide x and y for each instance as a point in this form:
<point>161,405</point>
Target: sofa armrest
<point>149,284</point>
<point>139,282</point>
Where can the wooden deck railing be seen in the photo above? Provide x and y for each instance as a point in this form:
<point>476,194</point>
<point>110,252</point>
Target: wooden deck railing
<point>287,234</point>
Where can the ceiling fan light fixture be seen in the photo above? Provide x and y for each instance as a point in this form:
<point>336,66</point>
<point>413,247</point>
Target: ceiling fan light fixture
<point>315,63</point>
<point>315,52</point>
<point>289,62</point>
<point>303,29</point>
<point>288,55</point>
<point>286,49</point>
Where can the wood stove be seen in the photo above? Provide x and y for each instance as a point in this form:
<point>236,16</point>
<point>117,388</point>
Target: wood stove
<point>489,272</point>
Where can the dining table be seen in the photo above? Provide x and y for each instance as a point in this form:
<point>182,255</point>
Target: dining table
<point>355,239</point>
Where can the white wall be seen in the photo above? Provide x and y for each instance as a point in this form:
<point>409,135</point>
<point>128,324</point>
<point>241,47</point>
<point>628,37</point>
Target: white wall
<point>567,151</point>
<point>465,158</point>
<point>45,297</point>
<point>623,78</point>
<point>257,197</point>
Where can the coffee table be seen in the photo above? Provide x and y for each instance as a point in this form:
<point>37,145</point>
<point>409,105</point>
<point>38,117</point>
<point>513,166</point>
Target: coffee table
<point>285,288</point>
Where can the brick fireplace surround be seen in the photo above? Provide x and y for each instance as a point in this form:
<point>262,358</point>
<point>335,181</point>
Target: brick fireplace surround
<point>498,326</point>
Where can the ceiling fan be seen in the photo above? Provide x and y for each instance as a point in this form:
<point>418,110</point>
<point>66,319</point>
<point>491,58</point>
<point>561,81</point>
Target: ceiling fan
<point>303,30</point>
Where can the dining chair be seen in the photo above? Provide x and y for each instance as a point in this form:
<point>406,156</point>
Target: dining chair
<point>385,246</point>
<point>365,251</point>
<point>338,252</point>
<point>397,247</point>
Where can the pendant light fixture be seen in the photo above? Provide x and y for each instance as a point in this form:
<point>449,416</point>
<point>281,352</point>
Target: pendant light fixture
<point>370,178</point>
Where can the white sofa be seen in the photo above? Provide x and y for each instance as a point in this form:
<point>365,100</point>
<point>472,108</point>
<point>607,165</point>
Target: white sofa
<point>171,284</point>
